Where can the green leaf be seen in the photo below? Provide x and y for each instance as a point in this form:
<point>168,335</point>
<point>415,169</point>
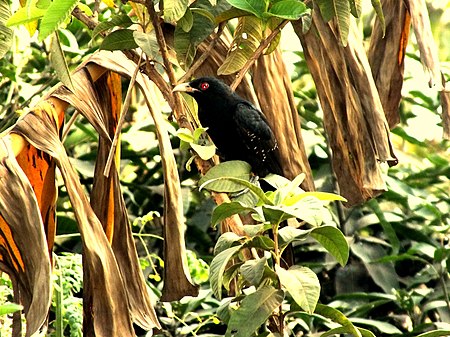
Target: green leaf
<point>342,10</point>
<point>383,327</point>
<point>324,196</point>
<point>56,13</point>
<point>9,308</point>
<point>59,63</point>
<point>302,284</point>
<point>256,7</point>
<point>184,134</point>
<point>203,12</point>
<point>261,242</point>
<point>205,152</point>
<point>229,169</point>
<point>332,239</point>
<point>288,9</point>
<point>25,15</point>
<point>254,310</point>
<point>326,9</point>
<point>276,214</point>
<point>379,10</point>
<point>309,209</point>
<point>253,270</point>
<point>225,241</point>
<point>226,210</point>
<point>6,34</point>
<point>290,234</point>
<point>337,317</point>
<point>123,21</point>
<point>148,43</point>
<point>217,268</point>
<point>355,8</point>
<point>387,227</point>
<point>186,21</point>
<point>435,333</point>
<point>344,330</point>
<point>121,39</point>
<point>174,10</point>
<point>246,40</point>
<point>229,14</point>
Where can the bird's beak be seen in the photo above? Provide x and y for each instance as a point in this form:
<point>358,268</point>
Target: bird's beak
<point>184,87</point>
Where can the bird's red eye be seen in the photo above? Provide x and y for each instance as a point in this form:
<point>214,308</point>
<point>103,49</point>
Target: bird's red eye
<point>204,85</point>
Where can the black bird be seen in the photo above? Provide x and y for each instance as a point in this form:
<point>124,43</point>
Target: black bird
<point>237,128</point>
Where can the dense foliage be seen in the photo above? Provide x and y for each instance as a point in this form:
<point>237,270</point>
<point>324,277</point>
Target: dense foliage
<point>388,271</point>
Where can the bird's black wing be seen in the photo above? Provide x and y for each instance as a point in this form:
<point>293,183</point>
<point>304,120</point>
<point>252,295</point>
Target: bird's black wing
<point>258,139</point>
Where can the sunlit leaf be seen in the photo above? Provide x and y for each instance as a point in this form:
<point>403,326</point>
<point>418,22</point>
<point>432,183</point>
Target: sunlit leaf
<point>9,308</point>
<point>288,9</point>
<point>174,10</point>
<point>186,21</point>
<point>226,210</point>
<point>256,7</point>
<point>205,152</point>
<point>24,15</point>
<point>6,34</point>
<point>246,40</point>
<point>302,284</point>
<point>56,13</point>
<point>235,169</point>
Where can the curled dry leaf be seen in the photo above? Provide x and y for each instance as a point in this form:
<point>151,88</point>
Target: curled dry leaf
<point>353,115</point>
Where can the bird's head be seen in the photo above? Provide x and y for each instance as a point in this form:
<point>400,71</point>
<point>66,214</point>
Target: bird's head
<point>205,90</point>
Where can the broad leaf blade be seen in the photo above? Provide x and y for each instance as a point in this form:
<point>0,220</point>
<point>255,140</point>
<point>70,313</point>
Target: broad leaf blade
<point>233,169</point>
<point>56,13</point>
<point>288,9</point>
<point>256,7</point>
<point>333,241</point>
<point>302,284</point>
<point>123,21</point>
<point>174,10</point>
<point>337,317</point>
<point>218,266</point>
<point>121,39</point>
<point>255,309</point>
<point>226,210</point>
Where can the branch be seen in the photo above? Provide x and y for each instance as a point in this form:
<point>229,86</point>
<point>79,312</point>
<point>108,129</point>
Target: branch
<point>215,37</point>
<point>257,54</point>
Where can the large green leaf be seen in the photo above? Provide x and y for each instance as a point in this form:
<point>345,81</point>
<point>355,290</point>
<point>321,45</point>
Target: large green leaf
<point>254,310</point>
<point>212,180</point>
<point>174,10</point>
<point>302,284</point>
<point>121,39</point>
<point>253,270</point>
<point>356,7</point>
<point>337,317</point>
<point>122,20</point>
<point>256,7</point>
<point>435,333</point>
<point>56,13</point>
<point>225,241</point>
<point>247,37</point>
<point>226,210</point>
<point>25,15</point>
<point>59,63</point>
<point>289,234</point>
<point>217,268</point>
<point>148,43</point>
<point>288,9</point>
<point>332,239</point>
<point>6,34</point>
<point>379,10</point>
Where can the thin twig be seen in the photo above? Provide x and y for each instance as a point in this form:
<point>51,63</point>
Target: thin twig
<point>214,39</point>
<point>123,113</point>
<point>257,54</point>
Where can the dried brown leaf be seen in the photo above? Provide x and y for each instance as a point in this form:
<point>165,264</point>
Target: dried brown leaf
<point>177,281</point>
<point>353,115</point>
<point>386,56</point>
<point>105,307</point>
<point>23,248</point>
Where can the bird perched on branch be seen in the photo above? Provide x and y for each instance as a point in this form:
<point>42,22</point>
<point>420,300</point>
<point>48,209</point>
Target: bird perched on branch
<point>237,128</point>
